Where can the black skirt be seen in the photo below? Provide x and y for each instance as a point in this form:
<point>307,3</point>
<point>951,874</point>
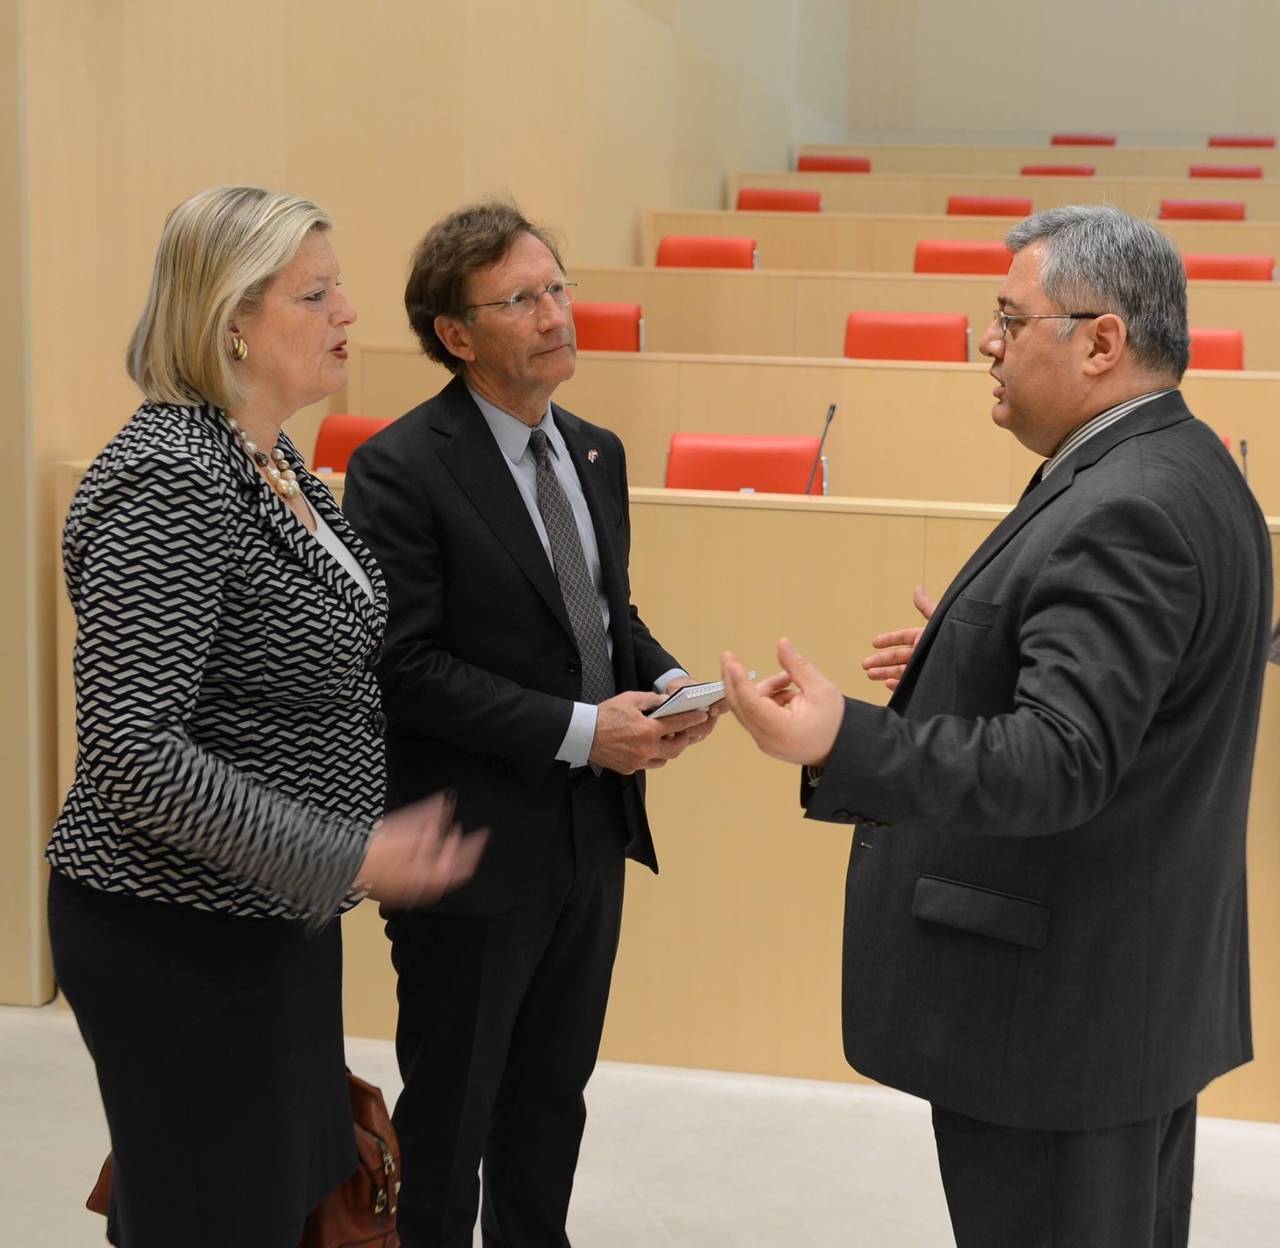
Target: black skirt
<point>218,1047</point>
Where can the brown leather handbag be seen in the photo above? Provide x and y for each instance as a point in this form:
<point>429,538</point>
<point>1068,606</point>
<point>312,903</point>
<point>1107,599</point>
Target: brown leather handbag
<point>360,1213</point>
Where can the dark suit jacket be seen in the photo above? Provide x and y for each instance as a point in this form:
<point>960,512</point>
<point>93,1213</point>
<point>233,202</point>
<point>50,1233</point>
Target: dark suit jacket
<point>480,668</point>
<point>1045,911</point>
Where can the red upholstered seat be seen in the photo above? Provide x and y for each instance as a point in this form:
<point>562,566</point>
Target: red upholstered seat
<point>1058,171</point>
<point>1083,140</point>
<point>1217,348</point>
<point>906,336</point>
<point>962,255</point>
<point>707,252</point>
<point>988,206</point>
<point>722,461</point>
<point>1242,140</point>
<point>609,326</point>
<point>778,199</point>
<point>339,435</point>
<point>833,164</point>
<point>1230,265</point>
<point>1225,171</point>
<point>1202,210</point>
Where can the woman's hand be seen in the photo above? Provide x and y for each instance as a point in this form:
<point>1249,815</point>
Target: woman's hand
<point>418,853</point>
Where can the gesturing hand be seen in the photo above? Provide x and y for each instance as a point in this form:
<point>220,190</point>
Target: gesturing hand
<point>894,649</point>
<point>418,853</point>
<point>793,715</point>
<point>627,741</point>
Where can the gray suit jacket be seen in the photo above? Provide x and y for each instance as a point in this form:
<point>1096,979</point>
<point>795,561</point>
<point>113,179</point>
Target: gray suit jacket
<point>1045,910</point>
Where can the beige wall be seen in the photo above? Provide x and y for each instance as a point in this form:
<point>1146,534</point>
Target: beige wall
<point>388,113</point>
<point>1171,71</point>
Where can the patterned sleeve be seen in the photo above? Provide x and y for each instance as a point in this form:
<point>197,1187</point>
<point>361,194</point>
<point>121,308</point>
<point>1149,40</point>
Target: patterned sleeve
<point>147,565</point>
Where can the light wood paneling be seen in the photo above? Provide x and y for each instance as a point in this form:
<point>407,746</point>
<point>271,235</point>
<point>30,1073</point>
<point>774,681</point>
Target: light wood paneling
<point>790,312</point>
<point>866,242</point>
<point>927,192</point>
<point>1006,159</point>
<point>903,430</point>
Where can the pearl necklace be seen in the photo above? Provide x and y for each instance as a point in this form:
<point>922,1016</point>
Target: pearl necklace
<point>275,466</point>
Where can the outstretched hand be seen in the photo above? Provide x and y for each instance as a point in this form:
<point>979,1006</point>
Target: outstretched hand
<point>793,715</point>
<point>894,649</point>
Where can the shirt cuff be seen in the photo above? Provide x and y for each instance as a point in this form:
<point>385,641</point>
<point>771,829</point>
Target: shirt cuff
<point>575,749</point>
<point>660,685</point>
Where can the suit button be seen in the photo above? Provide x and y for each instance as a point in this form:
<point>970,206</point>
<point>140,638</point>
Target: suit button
<point>378,722</point>
<point>572,668</point>
<point>843,816</point>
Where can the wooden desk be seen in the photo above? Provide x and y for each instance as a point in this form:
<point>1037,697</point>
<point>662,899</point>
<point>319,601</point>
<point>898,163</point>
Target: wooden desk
<point>928,192</point>
<point>790,312</point>
<point>1119,161</point>
<point>731,959</point>
<point>886,242</point>
<point>903,430</point>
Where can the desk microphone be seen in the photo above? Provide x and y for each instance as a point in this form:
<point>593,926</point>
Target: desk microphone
<point>822,441</point>
<point>1244,458</point>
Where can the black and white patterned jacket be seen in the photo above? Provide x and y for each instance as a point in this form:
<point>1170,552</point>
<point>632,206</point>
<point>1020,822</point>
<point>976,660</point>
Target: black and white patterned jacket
<point>230,739</point>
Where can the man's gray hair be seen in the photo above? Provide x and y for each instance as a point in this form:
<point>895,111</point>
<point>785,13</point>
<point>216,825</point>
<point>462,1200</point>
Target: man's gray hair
<point>1099,259</point>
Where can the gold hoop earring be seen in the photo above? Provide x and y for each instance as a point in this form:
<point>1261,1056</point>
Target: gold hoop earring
<point>239,348</point>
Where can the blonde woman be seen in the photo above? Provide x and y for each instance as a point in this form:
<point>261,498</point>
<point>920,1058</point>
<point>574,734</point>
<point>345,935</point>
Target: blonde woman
<point>230,771</point>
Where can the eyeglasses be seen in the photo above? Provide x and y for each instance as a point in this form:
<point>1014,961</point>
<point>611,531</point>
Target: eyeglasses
<point>523,302</point>
<point>1004,319</point>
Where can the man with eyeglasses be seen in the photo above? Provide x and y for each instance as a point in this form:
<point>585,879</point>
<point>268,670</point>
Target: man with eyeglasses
<point>1045,929</point>
<point>517,673</point>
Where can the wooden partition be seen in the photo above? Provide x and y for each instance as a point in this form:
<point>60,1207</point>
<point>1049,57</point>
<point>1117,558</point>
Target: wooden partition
<point>730,960</point>
<point>886,242</point>
<point>902,430</point>
<point>1118,161</point>
<point>928,192</point>
<point>789,312</point>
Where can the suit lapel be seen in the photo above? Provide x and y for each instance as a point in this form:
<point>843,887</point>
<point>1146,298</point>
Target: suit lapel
<point>289,536</point>
<point>1157,414</point>
<point>468,450</point>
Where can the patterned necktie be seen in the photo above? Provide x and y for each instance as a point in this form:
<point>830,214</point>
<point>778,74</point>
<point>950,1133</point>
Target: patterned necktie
<point>579,594</point>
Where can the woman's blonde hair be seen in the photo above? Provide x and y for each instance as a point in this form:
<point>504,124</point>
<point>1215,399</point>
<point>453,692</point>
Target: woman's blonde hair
<point>218,251</point>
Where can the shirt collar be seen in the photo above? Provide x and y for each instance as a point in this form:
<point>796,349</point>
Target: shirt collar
<point>1096,424</point>
<point>510,432</point>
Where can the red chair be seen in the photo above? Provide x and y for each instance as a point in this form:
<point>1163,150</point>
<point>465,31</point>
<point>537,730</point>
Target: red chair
<point>1201,210</point>
<point>962,255</point>
<point>906,336</point>
<point>725,461</point>
<point>707,252</point>
<point>776,199</point>
<point>1083,140</point>
<point>609,326</point>
<point>339,435</point>
<point>1217,348</point>
<point>988,206</point>
<point>1058,171</point>
<point>833,164</point>
<point>1230,266</point>
<point>1242,140</point>
<point>1225,171</point>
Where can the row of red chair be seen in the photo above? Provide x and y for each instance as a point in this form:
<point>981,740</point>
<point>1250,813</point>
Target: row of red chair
<point>781,199</point>
<point>938,255</point>
<point>861,164</point>
<point>868,336</point>
<point>1215,140</point>
<point>1088,171</point>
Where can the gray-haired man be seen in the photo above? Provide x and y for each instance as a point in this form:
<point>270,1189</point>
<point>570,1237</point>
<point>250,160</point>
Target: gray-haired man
<point>1045,929</point>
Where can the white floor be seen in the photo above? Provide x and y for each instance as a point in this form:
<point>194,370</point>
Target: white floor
<point>672,1158</point>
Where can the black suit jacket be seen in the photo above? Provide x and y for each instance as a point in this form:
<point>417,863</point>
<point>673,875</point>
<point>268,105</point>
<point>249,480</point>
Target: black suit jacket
<point>480,669</point>
<point>1045,910</point>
